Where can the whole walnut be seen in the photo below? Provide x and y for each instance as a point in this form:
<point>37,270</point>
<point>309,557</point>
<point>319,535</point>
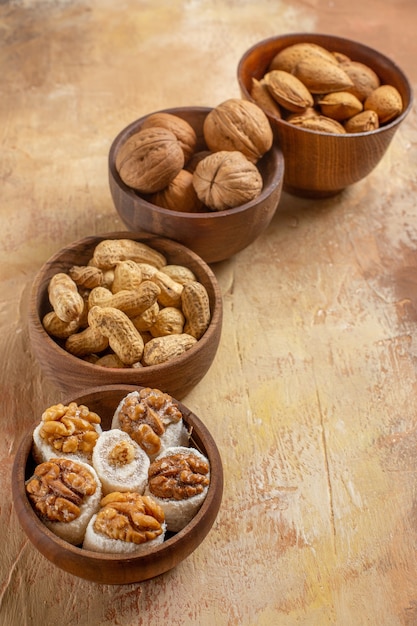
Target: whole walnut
<point>183,131</point>
<point>150,159</point>
<point>238,125</point>
<point>179,195</point>
<point>226,179</point>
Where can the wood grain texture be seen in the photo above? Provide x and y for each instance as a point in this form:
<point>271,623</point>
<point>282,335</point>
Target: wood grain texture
<point>310,398</point>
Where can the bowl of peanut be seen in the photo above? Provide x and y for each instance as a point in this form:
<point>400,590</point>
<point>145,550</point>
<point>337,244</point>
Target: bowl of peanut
<point>125,308</point>
<point>75,488</point>
<point>209,178</point>
<point>334,106</point>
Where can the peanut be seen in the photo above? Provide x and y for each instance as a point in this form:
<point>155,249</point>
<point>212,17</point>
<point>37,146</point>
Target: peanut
<point>110,360</point>
<point>162,349</point>
<point>86,276</point>
<point>179,273</point>
<point>64,297</point>
<point>169,321</point>
<point>196,309</point>
<point>57,328</point>
<point>108,252</point>
<point>170,290</point>
<point>87,341</point>
<point>123,337</point>
<point>145,320</point>
<point>132,302</point>
<point>127,275</point>
<point>147,270</point>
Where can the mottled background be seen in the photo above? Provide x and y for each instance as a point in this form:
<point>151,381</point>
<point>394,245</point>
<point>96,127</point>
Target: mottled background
<point>311,395</point>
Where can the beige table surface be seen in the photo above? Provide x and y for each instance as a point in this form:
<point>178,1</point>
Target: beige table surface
<point>312,395</point>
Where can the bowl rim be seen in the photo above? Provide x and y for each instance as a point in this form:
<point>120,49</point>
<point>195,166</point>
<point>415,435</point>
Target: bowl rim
<point>275,151</point>
<point>34,318</point>
<point>314,37</point>
<point>32,525</point>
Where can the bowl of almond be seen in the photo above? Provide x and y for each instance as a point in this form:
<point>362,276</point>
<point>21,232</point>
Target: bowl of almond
<point>117,484</point>
<point>125,308</point>
<point>334,106</point>
<point>209,178</point>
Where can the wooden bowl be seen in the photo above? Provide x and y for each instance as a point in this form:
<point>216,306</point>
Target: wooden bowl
<point>176,377</point>
<point>321,164</point>
<point>113,568</point>
<point>213,235</point>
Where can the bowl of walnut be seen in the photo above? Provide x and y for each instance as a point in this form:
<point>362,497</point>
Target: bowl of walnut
<point>334,106</point>
<point>76,490</point>
<point>125,308</point>
<point>210,179</point>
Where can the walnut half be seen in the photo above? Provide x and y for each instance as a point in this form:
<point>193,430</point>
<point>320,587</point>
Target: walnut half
<point>58,488</point>
<point>129,517</point>
<point>178,476</point>
<point>70,429</point>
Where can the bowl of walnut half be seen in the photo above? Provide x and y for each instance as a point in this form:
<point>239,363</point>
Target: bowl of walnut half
<point>334,106</point>
<point>208,178</point>
<point>125,308</point>
<point>117,484</point>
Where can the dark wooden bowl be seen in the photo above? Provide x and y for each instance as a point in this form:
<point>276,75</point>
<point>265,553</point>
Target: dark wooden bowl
<point>213,235</point>
<point>176,377</point>
<point>114,569</point>
<point>322,164</point>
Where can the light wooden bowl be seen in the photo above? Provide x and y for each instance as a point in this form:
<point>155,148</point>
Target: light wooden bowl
<point>322,164</point>
<point>176,377</point>
<point>113,569</point>
<point>213,235</point>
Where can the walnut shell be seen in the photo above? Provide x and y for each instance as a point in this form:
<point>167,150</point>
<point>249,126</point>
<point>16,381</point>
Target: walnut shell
<point>224,180</point>
<point>179,195</point>
<point>183,131</point>
<point>238,125</point>
<point>150,159</point>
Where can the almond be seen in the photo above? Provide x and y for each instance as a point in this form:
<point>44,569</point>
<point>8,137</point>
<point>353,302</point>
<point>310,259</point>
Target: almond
<point>263,98</point>
<point>290,56</point>
<point>320,124</point>
<point>340,105</point>
<point>288,91</point>
<point>364,79</point>
<point>386,101</point>
<point>362,122</point>
<point>323,76</point>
